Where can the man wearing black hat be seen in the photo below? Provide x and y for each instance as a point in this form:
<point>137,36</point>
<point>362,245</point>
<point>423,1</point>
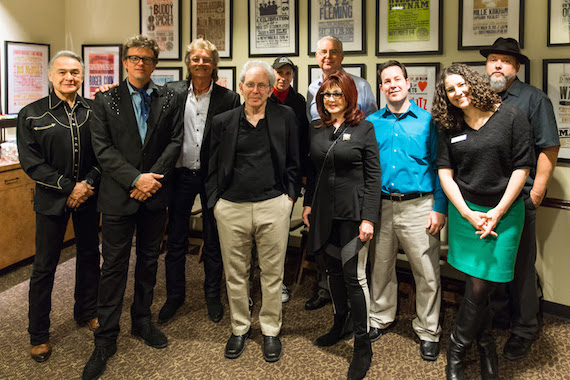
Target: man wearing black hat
<point>516,303</point>
<point>284,93</point>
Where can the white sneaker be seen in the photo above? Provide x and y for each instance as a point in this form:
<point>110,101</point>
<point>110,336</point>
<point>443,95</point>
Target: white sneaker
<point>284,294</point>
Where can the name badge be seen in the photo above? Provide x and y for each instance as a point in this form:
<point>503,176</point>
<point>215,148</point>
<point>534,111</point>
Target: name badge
<point>458,139</point>
<point>346,137</point>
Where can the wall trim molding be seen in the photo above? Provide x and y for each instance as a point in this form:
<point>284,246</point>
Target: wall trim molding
<point>557,309</point>
<point>556,203</point>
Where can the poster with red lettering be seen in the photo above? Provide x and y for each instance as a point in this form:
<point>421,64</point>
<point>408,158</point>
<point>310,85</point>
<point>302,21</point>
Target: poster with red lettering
<point>103,66</point>
<point>26,74</point>
<point>160,20</point>
<point>423,77</point>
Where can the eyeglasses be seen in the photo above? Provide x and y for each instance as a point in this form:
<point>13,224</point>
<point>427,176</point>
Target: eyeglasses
<point>332,53</point>
<point>333,95</point>
<point>205,60</point>
<point>146,60</point>
<point>260,86</point>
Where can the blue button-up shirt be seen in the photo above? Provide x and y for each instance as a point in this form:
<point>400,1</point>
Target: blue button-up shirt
<point>137,100</point>
<point>408,151</point>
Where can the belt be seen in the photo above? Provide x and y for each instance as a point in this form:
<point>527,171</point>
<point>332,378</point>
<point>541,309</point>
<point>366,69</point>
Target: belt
<point>184,169</point>
<point>398,197</point>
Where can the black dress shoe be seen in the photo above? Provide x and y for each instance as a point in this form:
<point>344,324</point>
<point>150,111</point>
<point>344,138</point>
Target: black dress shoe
<point>517,347</point>
<point>375,332</point>
<point>152,336</point>
<point>429,350</point>
<point>215,308</point>
<point>271,348</point>
<point>316,303</point>
<point>98,362</point>
<point>236,345</point>
<point>169,309</point>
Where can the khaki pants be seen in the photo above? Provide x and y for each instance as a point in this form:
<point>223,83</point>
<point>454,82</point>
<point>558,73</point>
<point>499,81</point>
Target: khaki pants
<point>403,224</point>
<point>266,222</point>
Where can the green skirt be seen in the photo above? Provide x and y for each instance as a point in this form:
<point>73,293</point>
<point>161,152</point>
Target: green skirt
<point>492,258</point>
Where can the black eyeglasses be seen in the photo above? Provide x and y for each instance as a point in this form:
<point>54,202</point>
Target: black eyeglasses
<point>334,95</point>
<point>146,60</point>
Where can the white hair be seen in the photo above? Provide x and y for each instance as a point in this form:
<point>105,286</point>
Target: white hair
<point>263,65</point>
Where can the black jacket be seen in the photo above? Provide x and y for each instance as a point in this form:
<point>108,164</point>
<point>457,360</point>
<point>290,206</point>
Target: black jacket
<point>284,147</point>
<point>221,100</point>
<point>55,150</point>
<point>349,185</point>
<point>122,156</point>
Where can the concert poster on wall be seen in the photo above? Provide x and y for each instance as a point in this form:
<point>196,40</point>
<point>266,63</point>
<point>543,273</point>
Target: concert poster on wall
<point>558,32</point>
<point>423,77</point>
<point>343,19</point>
<point>160,20</point>
<point>273,27</point>
<point>227,77</point>
<point>26,74</point>
<point>103,66</point>
<point>212,20</point>
<point>556,82</point>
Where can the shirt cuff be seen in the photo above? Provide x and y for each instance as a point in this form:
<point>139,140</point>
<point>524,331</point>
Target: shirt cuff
<point>135,181</point>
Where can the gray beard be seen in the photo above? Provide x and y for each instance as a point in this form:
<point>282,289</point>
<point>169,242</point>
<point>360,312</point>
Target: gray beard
<point>499,84</point>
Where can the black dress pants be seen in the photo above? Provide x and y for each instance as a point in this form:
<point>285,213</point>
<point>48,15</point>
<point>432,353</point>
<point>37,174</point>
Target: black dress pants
<point>186,185</point>
<point>117,240</point>
<point>50,231</point>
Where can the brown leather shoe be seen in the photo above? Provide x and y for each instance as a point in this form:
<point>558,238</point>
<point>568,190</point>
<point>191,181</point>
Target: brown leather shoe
<point>93,323</point>
<point>41,352</point>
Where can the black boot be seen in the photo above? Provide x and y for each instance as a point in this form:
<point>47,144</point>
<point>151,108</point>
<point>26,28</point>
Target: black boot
<point>467,325</point>
<point>342,329</point>
<point>361,358</point>
<point>488,349</point>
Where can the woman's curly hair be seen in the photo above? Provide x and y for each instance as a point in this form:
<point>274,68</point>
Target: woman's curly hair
<point>445,114</point>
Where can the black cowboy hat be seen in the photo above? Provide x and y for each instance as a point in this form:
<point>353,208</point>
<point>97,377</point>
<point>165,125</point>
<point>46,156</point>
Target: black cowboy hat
<point>508,46</point>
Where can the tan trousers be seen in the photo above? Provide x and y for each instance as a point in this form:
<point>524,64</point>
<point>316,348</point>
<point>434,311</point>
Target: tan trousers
<point>266,222</point>
<point>403,224</point>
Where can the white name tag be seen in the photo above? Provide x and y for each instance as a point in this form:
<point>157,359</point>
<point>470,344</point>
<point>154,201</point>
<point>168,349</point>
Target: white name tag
<point>458,139</point>
<point>346,137</point>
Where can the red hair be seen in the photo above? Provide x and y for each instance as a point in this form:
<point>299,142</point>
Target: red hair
<point>353,115</point>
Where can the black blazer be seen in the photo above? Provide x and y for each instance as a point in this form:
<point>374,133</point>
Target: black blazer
<point>221,100</point>
<point>282,127</point>
<point>349,186</point>
<point>120,152</point>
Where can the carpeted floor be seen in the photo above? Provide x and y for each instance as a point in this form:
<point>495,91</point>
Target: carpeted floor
<point>196,344</point>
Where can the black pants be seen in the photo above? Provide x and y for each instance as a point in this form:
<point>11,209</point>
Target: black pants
<point>117,240</point>
<point>50,231</point>
<point>184,190</point>
<point>517,301</point>
<point>346,270</point>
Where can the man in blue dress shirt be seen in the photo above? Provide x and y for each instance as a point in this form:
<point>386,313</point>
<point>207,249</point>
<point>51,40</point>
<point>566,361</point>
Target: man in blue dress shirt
<point>413,211</point>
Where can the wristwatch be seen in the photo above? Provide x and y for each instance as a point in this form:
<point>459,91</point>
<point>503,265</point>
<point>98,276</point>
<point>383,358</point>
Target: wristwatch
<point>89,181</point>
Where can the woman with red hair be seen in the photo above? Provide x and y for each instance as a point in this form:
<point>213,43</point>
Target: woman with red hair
<point>341,206</point>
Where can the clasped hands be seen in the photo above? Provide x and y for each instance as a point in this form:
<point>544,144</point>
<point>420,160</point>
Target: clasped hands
<point>146,186</point>
<point>80,193</point>
<point>485,223</point>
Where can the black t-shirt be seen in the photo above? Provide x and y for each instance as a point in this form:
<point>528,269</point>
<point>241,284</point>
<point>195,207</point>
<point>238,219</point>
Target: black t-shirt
<point>483,160</point>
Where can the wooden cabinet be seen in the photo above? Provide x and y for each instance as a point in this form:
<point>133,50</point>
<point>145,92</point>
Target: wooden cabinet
<point>17,216</point>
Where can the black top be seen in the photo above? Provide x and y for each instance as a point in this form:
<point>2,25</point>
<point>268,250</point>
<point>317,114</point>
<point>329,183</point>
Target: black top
<point>254,172</point>
<point>297,102</point>
<point>349,186</point>
<point>54,145</point>
<point>483,160</point>
<point>537,108</point>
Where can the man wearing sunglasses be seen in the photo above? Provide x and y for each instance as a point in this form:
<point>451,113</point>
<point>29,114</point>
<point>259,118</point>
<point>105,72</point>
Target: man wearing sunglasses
<point>136,135</point>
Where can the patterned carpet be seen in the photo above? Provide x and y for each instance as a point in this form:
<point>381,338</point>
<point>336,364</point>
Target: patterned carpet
<point>196,344</point>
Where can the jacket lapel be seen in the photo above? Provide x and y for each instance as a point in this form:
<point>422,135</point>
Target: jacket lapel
<point>126,104</point>
<point>229,141</point>
<point>157,99</point>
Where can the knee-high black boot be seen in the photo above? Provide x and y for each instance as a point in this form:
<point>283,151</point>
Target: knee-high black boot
<point>487,348</point>
<point>342,326</point>
<point>467,325</point>
<point>361,357</point>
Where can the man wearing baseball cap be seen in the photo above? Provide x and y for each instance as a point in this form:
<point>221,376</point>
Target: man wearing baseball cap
<point>516,303</point>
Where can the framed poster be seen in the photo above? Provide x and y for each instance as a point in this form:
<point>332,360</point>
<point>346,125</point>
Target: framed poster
<point>161,21</point>
<point>556,84</point>
<point>26,73</point>
<point>227,77</point>
<point>357,69</point>
<point>343,19</point>
<point>103,65</point>
<point>523,74</point>
<point>408,27</point>
<point>423,77</point>
<point>558,32</point>
<point>163,75</point>
<point>212,21</point>
<point>481,22</point>
<point>273,27</point>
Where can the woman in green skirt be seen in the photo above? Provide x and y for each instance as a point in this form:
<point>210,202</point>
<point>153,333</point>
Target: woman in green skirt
<point>484,157</point>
